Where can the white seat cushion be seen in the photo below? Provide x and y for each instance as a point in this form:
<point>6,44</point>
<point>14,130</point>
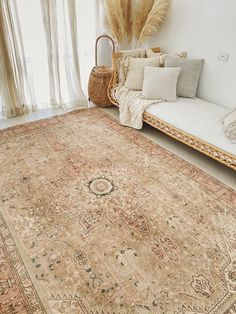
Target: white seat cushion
<point>197,117</point>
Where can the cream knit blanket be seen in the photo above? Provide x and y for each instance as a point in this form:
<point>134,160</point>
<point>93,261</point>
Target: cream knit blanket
<point>132,106</point>
<point>230,126</point>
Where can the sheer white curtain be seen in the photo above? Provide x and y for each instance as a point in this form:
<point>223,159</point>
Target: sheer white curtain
<point>60,25</point>
<point>16,89</point>
<point>70,42</point>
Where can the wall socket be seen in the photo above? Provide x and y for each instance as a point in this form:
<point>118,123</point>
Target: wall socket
<point>223,56</point>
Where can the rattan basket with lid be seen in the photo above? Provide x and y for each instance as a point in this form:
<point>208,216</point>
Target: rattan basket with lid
<point>99,79</point>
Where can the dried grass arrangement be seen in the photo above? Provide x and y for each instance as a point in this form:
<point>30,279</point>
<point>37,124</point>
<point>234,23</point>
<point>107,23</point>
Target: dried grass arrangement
<point>134,19</point>
<point>118,20</point>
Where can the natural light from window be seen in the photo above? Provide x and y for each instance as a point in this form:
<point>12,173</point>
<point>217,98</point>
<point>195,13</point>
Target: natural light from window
<point>36,51</point>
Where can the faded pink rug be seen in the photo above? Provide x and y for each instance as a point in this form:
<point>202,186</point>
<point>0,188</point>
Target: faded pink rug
<point>95,218</point>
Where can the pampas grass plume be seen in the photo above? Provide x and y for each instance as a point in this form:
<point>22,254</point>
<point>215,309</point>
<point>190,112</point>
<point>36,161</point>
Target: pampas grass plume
<point>140,16</point>
<point>154,20</point>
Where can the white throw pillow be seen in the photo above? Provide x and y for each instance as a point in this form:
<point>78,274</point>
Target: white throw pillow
<point>160,83</point>
<point>134,79</point>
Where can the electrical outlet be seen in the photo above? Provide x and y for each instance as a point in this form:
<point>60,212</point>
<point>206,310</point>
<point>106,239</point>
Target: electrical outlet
<point>223,56</point>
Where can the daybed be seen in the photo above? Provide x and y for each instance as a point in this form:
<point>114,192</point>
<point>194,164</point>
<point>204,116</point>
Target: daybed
<point>194,122</point>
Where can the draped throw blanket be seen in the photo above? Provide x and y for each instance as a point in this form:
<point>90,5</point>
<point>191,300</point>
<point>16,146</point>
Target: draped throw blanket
<point>132,105</point>
<point>229,122</point>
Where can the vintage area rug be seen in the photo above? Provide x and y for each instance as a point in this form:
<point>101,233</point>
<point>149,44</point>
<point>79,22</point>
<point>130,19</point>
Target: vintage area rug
<point>97,219</point>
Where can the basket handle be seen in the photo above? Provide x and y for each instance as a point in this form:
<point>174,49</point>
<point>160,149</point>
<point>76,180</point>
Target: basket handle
<point>96,46</point>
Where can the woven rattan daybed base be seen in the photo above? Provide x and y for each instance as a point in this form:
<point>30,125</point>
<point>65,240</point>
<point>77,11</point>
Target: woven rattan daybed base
<point>198,144</point>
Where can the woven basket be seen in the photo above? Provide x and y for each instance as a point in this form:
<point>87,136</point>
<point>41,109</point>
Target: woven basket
<point>99,79</point>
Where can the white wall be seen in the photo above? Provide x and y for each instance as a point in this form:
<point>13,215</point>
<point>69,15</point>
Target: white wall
<point>86,12</point>
<point>104,46</point>
<point>204,28</point>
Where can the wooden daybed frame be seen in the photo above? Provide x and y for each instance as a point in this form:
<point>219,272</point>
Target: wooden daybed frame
<point>186,138</point>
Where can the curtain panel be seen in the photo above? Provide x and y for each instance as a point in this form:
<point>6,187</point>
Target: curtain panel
<point>16,92</point>
<point>60,26</point>
<point>39,62</point>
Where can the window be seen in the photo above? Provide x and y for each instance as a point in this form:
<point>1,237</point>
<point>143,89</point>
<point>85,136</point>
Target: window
<point>34,41</point>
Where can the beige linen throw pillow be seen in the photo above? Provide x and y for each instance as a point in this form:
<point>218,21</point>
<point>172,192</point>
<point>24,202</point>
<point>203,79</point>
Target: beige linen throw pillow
<point>160,83</point>
<point>123,69</point>
<point>150,53</point>
<point>134,79</point>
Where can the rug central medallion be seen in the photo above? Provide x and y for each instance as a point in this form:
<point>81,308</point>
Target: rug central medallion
<point>101,186</point>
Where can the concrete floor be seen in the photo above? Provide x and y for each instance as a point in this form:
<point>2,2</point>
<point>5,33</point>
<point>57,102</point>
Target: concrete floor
<point>214,168</point>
